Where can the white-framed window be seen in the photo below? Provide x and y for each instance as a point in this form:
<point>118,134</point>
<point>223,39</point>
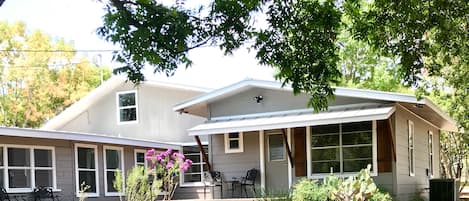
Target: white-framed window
<point>86,164</point>
<point>127,110</point>
<point>194,175</point>
<point>139,155</point>
<point>113,162</point>
<point>22,168</point>
<point>234,142</point>
<point>276,147</point>
<point>430,153</point>
<point>411,148</point>
<point>343,148</point>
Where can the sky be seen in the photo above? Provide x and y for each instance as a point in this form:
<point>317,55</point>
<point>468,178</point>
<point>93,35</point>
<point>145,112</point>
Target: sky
<point>77,20</point>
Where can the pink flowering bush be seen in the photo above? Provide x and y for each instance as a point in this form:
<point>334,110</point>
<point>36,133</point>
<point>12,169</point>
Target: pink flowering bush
<point>144,184</point>
<point>167,166</point>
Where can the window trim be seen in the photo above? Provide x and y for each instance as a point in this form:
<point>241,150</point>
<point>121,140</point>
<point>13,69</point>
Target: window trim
<point>227,140</point>
<point>430,154</point>
<point>31,167</point>
<point>77,170</point>
<point>121,149</point>
<point>374,157</point>
<point>118,108</point>
<point>145,164</point>
<point>411,157</point>
<point>268,148</point>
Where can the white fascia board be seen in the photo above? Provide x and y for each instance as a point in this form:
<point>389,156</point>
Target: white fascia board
<point>440,112</point>
<point>83,137</point>
<point>339,91</point>
<point>269,123</point>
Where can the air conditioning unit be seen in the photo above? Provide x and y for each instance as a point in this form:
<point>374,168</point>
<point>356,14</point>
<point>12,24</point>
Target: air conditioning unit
<point>444,190</point>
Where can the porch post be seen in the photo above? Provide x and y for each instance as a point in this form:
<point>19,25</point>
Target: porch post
<point>262,158</point>
<point>290,162</point>
<point>308,151</point>
<point>204,157</point>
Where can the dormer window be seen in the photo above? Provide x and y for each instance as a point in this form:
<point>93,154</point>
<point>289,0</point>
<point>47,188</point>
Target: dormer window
<point>127,107</point>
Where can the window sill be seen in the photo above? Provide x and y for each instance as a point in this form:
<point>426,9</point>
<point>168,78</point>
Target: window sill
<point>27,190</point>
<point>192,184</point>
<point>112,194</point>
<point>344,175</point>
<point>90,195</point>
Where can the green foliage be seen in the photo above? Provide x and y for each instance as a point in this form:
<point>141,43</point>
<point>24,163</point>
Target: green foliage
<point>357,188</point>
<point>309,190</point>
<point>139,186</point>
<point>35,86</point>
<point>303,40</point>
<point>262,194</point>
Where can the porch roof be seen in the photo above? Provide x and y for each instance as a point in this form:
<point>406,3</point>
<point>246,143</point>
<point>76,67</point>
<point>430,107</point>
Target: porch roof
<point>293,119</point>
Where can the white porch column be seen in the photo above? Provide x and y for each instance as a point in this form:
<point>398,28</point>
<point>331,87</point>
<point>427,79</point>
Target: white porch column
<point>262,158</point>
<point>308,151</point>
<point>290,175</point>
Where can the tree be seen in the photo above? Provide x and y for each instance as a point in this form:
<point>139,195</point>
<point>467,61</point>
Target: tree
<point>38,77</point>
<point>300,39</point>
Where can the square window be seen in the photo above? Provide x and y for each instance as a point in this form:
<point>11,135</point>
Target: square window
<point>126,99</point>
<point>19,178</point>
<point>86,158</point>
<point>89,178</point>
<point>42,158</point>
<point>43,178</point>
<point>234,142</point>
<point>18,157</point>
<point>140,157</point>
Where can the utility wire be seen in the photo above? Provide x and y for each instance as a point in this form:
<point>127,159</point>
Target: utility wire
<point>57,50</point>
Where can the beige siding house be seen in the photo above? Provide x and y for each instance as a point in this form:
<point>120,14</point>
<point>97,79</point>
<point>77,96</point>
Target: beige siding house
<point>107,130</point>
<point>258,124</point>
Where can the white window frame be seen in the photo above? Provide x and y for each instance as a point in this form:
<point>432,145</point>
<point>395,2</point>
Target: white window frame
<point>430,154</point>
<point>228,149</point>
<point>374,147</point>
<point>201,164</point>
<point>145,163</point>
<point>77,170</point>
<point>121,149</point>
<point>411,147</point>
<point>268,147</point>
<point>31,167</point>
<point>118,108</point>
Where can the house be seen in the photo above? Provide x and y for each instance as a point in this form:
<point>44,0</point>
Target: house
<point>259,124</point>
<point>107,130</point>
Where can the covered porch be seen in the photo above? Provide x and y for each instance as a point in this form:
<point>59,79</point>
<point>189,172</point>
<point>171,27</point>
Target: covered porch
<point>288,146</point>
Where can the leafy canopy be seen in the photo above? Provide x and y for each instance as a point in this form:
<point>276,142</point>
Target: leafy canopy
<point>299,39</point>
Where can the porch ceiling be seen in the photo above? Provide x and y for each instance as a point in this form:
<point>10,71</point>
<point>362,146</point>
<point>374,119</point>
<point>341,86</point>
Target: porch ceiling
<point>278,121</point>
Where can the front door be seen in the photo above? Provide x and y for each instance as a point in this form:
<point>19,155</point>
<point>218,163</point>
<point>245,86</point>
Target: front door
<point>276,164</point>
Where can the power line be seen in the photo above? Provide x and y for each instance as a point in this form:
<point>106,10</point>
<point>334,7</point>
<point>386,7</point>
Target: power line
<point>13,50</point>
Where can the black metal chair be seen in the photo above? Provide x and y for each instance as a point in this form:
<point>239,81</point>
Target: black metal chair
<point>44,193</point>
<point>249,180</point>
<point>4,195</point>
<point>213,179</point>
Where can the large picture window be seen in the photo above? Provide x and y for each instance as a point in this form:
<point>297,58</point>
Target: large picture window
<point>127,107</point>
<point>194,174</point>
<point>114,162</point>
<point>341,148</point>
<point>22,168</point>
<point>234,142</point>
<point>87,168</point>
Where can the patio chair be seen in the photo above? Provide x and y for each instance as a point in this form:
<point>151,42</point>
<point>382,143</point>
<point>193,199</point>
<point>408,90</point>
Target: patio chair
<point>249,180</point>
<point>44,193</point>
<point>4,195</point>
<point>213,179</point>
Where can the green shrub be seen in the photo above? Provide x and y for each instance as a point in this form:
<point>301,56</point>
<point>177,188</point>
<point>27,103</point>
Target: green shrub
<point>309,190</point>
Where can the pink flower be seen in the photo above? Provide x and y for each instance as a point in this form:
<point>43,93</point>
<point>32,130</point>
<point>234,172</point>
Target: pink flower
<point>148,158</point>
<point>150,152</point>
<point>169,165</point>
